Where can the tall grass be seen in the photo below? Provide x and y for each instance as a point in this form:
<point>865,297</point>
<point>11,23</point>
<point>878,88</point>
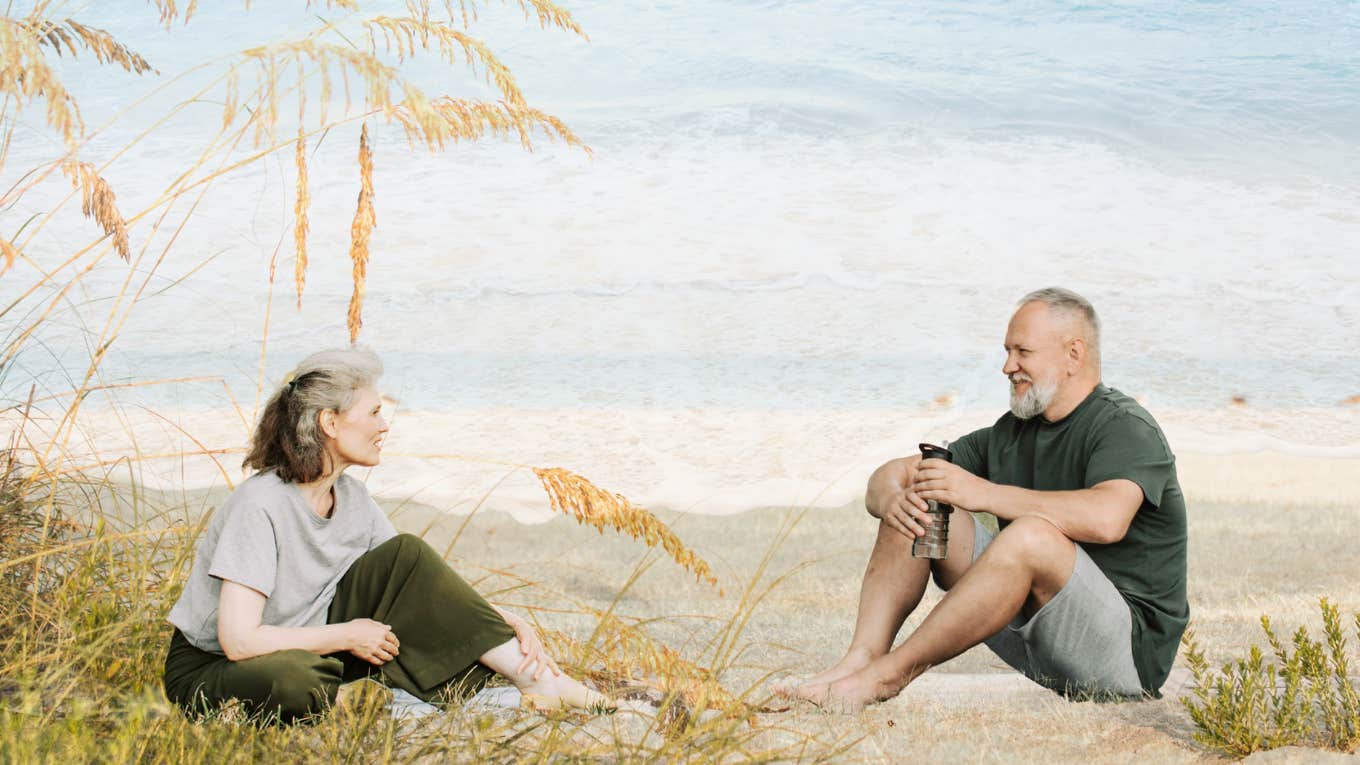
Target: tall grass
<point>90,560</point>
<point>82,649</point>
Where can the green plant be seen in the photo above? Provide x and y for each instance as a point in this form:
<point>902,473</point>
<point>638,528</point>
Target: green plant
<point>1305,697</point>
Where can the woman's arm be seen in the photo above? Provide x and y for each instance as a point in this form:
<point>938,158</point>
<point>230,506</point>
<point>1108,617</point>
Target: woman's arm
<point>240,611</point>
<point>529,644</point>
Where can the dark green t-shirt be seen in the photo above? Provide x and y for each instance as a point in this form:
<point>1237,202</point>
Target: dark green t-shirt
<point>1107,436</point>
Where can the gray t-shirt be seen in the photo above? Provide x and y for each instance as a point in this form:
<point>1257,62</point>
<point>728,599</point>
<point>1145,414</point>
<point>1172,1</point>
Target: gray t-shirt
<point>267,538</point>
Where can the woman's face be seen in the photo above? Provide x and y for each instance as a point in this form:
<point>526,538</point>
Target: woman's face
<point>355,435</point>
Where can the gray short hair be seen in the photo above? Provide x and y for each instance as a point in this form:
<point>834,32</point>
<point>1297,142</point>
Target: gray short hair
<point>288,436</point>
<point>1069,302</point>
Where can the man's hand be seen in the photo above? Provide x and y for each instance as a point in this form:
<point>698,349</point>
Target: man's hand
<point>529,645</point>
<point>372,641</point>
<point>904,512</point>
<point>948,483</point>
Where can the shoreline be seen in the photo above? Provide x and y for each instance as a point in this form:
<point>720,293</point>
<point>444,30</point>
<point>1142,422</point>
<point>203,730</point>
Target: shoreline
<point>695,461</point>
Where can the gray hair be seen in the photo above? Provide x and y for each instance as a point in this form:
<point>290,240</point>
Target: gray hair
<point>288,438</point>
<point>1074,305</point>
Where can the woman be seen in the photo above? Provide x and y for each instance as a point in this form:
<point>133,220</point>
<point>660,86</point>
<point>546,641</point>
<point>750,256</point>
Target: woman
<point>300,583</point>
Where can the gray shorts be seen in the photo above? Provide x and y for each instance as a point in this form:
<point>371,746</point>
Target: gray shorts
<point>1080,642</point>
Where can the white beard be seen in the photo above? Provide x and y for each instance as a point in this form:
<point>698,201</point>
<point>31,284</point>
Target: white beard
<point>1034,400</point>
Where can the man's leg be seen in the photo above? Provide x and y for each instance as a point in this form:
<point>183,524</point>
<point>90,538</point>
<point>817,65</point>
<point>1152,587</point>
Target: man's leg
<point>1024,567</point>
<point>893,584</point>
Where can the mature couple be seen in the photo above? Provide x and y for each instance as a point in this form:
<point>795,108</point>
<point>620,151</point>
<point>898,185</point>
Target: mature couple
<point>300,582</point>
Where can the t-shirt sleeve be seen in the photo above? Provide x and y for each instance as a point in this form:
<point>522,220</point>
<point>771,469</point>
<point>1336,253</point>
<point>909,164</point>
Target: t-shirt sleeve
<point>970,452</point>
<point>383,529</point>
<point>1129,448</point>
<point>247,551</point>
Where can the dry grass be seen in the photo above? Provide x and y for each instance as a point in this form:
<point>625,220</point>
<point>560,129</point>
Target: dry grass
<point>360,230</point>
<point>82,636</point>
<point>25,75</point>
<point>548,13</point>
<point>74,36</point>
<point>304,200</point>
<point>405,36</point>
<point>97,201</point>
<point>575,496</point>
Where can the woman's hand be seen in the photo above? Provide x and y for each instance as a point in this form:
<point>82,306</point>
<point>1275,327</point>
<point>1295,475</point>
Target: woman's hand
<point>372,641</point>
<point>529,645</point>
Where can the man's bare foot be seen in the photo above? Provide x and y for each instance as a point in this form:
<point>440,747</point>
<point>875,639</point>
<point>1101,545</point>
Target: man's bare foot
<point>850,694</point>
<point>852,662</point>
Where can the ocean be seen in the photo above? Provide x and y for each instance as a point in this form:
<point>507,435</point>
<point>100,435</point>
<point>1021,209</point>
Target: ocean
<point>800,209</point>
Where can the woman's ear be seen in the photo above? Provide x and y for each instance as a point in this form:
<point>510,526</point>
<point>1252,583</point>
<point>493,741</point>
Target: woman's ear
<point>326,419</point>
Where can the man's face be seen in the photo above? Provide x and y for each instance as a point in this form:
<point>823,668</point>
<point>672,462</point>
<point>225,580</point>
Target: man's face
<point>1036,358</point>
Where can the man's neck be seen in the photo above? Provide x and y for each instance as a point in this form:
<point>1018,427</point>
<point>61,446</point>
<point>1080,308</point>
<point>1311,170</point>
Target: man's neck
<point>1069,398</point>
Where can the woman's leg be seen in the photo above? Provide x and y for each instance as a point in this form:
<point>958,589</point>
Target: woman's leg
<point>556,690</point>
<point>451,638</point>
<point>284,686</point>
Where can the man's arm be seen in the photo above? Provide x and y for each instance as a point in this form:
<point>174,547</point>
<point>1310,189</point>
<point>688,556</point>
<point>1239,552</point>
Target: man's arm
<point>1100,514</point>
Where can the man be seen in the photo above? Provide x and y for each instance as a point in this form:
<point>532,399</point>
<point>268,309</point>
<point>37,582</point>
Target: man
<point>1083,588</point>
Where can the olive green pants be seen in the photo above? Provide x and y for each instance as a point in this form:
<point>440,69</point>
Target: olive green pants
<point>442,623</point>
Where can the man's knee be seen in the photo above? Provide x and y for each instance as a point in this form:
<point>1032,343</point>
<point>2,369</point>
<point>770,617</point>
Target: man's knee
<point>1030,540</point>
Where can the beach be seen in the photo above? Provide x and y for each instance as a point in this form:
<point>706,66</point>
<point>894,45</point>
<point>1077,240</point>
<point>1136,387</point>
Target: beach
<point>1270,534</point>
<point>1246,559</point>
<point>781,249</point>
<point>705,461</point>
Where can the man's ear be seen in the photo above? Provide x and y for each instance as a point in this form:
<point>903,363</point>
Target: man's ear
<point>1076,354</point>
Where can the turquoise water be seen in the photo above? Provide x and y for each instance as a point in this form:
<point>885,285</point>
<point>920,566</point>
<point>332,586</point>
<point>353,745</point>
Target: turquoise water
<point>797,205</point>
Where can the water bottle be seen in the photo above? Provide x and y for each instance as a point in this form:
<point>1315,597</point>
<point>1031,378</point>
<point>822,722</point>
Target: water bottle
<point>934,544</point>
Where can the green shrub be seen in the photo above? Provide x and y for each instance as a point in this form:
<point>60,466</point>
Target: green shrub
<point>1306,696</point>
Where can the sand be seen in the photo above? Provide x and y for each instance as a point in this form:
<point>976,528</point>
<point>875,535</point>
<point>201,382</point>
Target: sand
<point>1245,560</point>
<point>1271,532</point>
<point>700,461</point>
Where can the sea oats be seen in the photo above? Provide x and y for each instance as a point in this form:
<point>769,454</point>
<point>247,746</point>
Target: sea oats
<point>622,659</point>
<point>574,495</point>
<point>548,13</point>
<point>364,221</point>
<point>300,216</point>
<point>25,76</point>
<point>105,48</point>
<point>97,202</point>
<point>403,36</point>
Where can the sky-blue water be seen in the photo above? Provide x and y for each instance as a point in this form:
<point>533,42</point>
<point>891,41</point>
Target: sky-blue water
<point>789,204</point>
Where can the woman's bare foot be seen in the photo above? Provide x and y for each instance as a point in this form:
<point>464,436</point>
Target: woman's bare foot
<point>559,691</point>
<point>551,689</point>
<point>853,661</point>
